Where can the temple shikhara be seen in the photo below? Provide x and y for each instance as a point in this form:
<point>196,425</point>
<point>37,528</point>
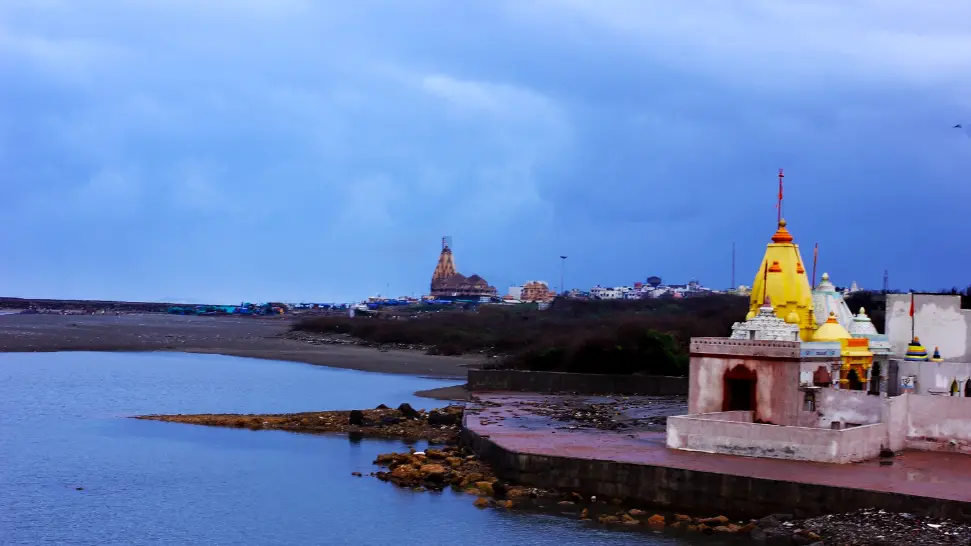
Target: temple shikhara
<point>802,377</point>
<point>448,283</point>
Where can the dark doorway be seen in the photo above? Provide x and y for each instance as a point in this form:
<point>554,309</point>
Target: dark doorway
<point>875,378</point>
<point>739,393</point>
<point>967,388</point>
<point>854,381</point>
<point>954,388</point>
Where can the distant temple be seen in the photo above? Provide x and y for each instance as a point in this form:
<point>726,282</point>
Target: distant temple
<point>448,283</point>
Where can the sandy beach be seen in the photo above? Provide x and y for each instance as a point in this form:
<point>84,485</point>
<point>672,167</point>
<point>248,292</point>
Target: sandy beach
<point>236,336</point>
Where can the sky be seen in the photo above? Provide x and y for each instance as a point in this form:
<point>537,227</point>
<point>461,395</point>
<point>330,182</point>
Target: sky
<point>298,150</point>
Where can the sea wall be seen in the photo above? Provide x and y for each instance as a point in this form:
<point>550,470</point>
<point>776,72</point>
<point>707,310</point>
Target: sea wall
<point>559,382</point>
<point>697,492</point>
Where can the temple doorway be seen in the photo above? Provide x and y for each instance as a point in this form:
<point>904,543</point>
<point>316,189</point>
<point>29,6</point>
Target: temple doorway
<point>739,393</point>
<point>821,377</point>
<point>875,379</point>
<point>954,388</point>
<point>967,388</point>
<point>854,382</point>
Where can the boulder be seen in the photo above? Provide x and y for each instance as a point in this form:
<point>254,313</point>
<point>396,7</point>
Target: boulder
<point>608,519</point>
<point>636,512</point>
<point>628,520</point>
<point>485,487</point>
<point>433,472</point>
<point>656,520</point>
<point>717,520</point>
<point>481,502</point>
<point>356,418</point>
<point>681,517</point>
<point>444,418</point>
<point>585,514</point>
<point>408,411</point>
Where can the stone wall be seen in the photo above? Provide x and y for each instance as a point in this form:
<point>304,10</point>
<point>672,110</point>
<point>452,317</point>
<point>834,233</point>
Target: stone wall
<point>939,321</point>
<point>846,406</point>
<point>939,423</point>
<point>777,396</point>
<point>558,382</point>
<point>698,492</point>
<point>931,376</point>
<point>729,434</point>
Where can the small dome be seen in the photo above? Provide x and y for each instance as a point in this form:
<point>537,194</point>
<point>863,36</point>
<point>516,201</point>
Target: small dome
<point>825,276</point>
<point>782,235</point>
<point>792,318</point>
<point>831,330</point>
<point>862,312</point>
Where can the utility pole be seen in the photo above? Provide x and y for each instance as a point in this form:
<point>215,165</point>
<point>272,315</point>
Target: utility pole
<point>562,273</point>
<point>733,286</point>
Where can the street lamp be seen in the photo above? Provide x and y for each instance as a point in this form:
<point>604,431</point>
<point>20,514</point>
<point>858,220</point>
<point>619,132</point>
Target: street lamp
<point>562,271</point>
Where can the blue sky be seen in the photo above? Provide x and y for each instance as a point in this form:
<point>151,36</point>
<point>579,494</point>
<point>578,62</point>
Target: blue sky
<point>310,150</point>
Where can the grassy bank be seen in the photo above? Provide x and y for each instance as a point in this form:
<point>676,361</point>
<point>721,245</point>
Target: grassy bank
<point>646,336</point>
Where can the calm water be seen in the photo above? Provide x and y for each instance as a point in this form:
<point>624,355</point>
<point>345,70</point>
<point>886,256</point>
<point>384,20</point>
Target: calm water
<point>62,426</point>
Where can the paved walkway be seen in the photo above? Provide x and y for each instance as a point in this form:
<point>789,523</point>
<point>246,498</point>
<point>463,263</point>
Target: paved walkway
<point>544,425</point>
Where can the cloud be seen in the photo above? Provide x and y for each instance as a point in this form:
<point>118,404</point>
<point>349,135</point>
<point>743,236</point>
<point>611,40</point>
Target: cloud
<point>607,130</point>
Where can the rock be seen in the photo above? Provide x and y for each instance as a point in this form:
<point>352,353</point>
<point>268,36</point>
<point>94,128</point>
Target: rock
<point>585,514</point>
<point>434,454</point>
<point>454,462</point>
<point>608,519</point>
<point>628,520</point>
<point>408,411</point>
<point>485,487</point>
<point>783,517</point>
<point>575,497</point>
<point>616,502</point>
<point>692,528</point>
<point>704,528</point>
<point>681,517</point>
<point>433,472</point>
<point>636,512</point>
<point>356,418</point>
<point>499,489</point>
<point>382,406</point>
<point>442,418</point>
<point>657,520</point>
<point>566,503</point>
<point>758,534</point>
<point>768,522</point>
<point>506,504</point>
<point>717,520</point>
<point>481,502</point>
<point>721,529</point>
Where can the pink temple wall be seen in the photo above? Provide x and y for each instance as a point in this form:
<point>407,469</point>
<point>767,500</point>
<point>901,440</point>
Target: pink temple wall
<point>778,398</point>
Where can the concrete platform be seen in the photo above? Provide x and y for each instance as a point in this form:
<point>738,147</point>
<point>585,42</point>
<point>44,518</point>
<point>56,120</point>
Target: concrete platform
<point>533,437</point>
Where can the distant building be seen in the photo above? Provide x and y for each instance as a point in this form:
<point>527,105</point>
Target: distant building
<point>537,291</point>
<point>447,282</point>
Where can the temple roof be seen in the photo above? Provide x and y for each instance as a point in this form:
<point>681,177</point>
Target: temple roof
<point>446,265</point>
<point>862,326</point>
<point>831,330</point>
<point>826,300</point>
<point>765,325</point>
<point>782,279</point>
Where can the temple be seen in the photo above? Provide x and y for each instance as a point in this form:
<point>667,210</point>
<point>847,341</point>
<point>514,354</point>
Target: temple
<point>448,283</point>
<point>803,378</point>
<point>782,279</point>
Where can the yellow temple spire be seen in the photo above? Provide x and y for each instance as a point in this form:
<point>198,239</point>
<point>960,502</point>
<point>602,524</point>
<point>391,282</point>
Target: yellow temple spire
<point>782,278</point>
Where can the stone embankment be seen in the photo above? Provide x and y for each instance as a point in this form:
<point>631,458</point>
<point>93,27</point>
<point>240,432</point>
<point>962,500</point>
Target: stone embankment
<point>451,466</point>
<point>436,426</point>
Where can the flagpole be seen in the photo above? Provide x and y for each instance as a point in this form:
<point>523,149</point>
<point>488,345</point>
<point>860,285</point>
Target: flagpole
<point>779,206</point>
<point>913,319</point>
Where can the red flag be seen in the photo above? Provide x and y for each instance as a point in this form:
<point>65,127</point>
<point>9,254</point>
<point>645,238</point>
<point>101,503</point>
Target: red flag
<point>911,304</point>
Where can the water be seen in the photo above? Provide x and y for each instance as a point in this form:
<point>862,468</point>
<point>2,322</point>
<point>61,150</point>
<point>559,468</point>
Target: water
<point>63,426</point>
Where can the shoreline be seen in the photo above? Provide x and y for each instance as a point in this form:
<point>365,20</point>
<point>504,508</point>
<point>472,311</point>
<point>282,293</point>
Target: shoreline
<point>246,337</point>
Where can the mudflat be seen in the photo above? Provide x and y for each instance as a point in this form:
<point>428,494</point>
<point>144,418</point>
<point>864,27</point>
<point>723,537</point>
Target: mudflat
<point>254,337</point>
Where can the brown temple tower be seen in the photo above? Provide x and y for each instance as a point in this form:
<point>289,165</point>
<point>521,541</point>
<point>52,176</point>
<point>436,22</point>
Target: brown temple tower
<point>447,282</point>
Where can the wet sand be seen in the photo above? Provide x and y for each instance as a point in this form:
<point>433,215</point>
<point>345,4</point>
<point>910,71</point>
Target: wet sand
<point>235,336</point>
